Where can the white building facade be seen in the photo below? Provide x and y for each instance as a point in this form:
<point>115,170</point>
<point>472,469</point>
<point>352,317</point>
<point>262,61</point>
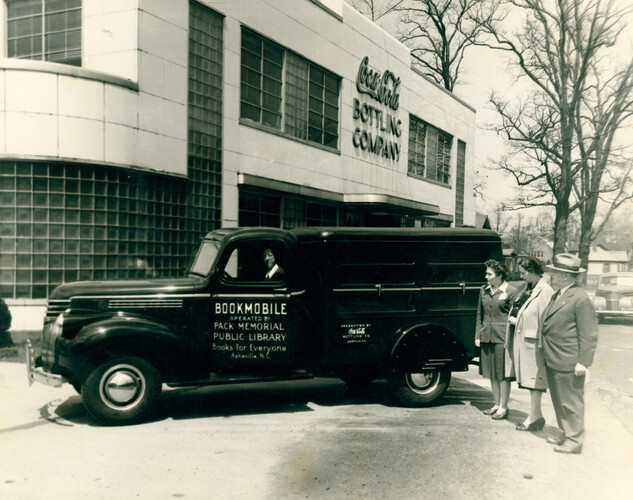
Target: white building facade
<point>129,128</point>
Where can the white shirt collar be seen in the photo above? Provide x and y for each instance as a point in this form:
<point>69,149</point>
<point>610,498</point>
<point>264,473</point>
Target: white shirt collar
<point>272,271</point>
<point>564,289</point>
<point>503,287</point>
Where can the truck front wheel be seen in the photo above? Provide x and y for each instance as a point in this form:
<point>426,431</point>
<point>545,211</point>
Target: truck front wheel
<point>121,390</point>
<point>418,389</point>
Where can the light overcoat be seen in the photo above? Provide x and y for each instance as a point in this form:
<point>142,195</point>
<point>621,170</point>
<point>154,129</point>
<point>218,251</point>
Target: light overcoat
<point>524,363</point>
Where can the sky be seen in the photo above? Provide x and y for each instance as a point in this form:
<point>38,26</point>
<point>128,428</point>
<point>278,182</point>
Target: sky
<point>483,71</point>
<point>486,70</point>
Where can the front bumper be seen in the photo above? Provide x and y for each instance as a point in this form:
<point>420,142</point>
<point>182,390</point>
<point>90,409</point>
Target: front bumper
<point>614,312</point>
<point>36,373</point>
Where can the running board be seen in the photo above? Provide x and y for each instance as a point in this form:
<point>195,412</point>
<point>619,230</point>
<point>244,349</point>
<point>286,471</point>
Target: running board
<point>218,379</point>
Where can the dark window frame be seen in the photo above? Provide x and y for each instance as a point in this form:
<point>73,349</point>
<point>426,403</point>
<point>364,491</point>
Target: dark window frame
<point>430,152</point>
<point>315,121</point>
<point>49,34</point>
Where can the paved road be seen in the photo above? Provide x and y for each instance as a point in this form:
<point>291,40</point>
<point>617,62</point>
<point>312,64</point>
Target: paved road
<point>308,439</point>
<point>612,369</point>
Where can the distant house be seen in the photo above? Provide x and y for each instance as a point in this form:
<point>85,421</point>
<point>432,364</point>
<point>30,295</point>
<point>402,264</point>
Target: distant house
<point>541,248</point>
<point>510,260</point>
<point>605,258</point>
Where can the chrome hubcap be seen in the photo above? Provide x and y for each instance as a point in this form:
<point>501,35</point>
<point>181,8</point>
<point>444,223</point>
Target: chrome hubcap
<point>421,382</point>
<point>122,386</point>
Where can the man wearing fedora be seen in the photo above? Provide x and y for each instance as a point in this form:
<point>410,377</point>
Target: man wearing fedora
<point>568,336</point>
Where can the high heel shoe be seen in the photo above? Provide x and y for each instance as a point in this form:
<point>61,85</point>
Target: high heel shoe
<point>501,416</point>
<point>537,425</point>
<point>490,411</point>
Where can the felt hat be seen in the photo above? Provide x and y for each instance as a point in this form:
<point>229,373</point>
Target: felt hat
<point>566,263</point>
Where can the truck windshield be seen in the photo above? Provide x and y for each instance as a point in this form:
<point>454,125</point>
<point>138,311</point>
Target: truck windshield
<point>204,259</point>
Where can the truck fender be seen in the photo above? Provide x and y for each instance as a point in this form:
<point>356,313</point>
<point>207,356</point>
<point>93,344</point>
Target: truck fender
<point>141,336</point>
<point>426,348</point>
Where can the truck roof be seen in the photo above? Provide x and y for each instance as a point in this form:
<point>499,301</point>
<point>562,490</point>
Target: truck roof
<point>307,234</point>
<point>372,233</point>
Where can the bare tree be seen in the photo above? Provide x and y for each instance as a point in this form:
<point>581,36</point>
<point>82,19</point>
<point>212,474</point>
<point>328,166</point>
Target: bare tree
<point>374,9</point>
<point>438,32</point>
<point>554,137</point>
<point>521,235</point>
<point>500,221</point>
<point>605,180</point>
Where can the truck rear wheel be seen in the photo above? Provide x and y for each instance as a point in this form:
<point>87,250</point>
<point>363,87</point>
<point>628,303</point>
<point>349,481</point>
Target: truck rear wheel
<point>418,389</point>
<point>121,390</point>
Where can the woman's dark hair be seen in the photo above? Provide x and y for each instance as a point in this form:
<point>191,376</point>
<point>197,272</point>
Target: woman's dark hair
<point>532,265</point>
<point>498,268</point>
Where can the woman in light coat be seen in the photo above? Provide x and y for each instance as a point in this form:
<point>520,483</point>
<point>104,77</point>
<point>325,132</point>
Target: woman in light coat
<point>523,322</point>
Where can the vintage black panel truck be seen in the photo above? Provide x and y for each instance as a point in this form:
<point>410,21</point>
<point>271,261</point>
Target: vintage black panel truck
<point>353,303</point>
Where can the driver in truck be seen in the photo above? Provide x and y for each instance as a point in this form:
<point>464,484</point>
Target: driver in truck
<point>273,270</point>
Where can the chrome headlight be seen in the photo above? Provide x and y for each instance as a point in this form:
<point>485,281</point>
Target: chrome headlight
<point>49,339</point>
<point>57,327</point>
<point>626,303</point>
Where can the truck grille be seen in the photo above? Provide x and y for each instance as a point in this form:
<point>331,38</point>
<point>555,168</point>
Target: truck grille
<point>55,308</point>
<point>145,303</point>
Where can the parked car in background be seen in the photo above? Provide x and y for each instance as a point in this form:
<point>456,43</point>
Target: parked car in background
<point>614,295</point>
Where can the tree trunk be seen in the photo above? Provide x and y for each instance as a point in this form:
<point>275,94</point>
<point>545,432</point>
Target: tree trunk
<point>560,228</point>
<point>583,253</point>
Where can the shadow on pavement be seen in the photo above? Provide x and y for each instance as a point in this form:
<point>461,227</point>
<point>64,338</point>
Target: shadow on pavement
<point>267,398</point>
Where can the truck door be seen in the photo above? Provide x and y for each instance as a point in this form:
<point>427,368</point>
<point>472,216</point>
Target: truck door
<point>251,317</point>
<point>373,294</point>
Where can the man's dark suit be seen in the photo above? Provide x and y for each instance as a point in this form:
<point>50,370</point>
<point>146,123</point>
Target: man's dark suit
<point>568,335</point>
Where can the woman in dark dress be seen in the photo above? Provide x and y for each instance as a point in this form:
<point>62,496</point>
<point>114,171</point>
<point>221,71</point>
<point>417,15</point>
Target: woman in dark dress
<point>495,299</point>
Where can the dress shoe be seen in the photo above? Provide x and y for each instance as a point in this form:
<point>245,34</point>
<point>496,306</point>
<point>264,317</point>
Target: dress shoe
<point>537,425</point>
<point>490,411</point>
<point>556,440</point>
<point>567,449</point>
<point>501,416</point>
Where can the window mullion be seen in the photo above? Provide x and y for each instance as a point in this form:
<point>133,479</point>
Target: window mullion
<point>282,105</point>
<point>43,29</point>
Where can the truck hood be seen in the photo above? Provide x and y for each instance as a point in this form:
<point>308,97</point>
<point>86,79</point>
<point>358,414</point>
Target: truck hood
<point>130,287</point>
<point>608,290</point>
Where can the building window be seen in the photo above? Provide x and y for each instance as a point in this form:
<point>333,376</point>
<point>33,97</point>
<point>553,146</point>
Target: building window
<point>318,214</point>
<point>459,183</point>
<point>67,222</point>
<point>323,114</point>
<point>606,267</point>
<point>297,82</point>
<point>204,120</point>
<point>262,64</point>
<point>257,209</point>
<point>275,209</point>
<point>275,79</point>
<point>45,30</point>
<point>417,144</point>
<point>429,151</point>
